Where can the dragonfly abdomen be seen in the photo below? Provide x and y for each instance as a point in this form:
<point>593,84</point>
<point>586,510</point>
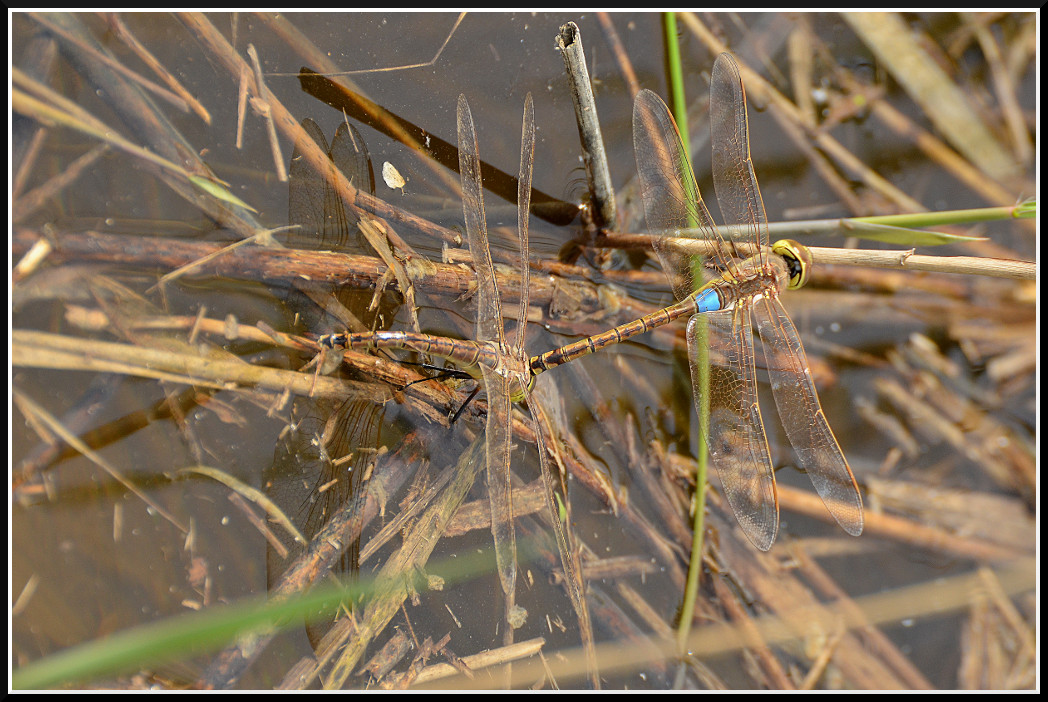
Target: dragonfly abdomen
<point>703,301</point>
<point>467,355</point>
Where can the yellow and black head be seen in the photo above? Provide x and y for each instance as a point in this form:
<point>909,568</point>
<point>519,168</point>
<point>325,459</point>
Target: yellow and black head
<point>798,260</point>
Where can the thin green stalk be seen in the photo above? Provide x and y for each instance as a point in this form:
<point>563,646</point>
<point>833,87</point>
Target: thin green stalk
<point>195,633</point>
<point>700,349</point>
<point>174,638</point>
<point>1023,210</point>
<point>901,229</point>
<point>675,78</point>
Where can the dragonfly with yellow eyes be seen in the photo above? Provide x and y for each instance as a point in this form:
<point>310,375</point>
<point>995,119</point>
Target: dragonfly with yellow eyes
<point>724,309</point>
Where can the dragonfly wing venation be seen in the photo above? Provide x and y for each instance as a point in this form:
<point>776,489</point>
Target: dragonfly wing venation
<point>306,188</point>
<point>498,433</point>
<point>350,155</point>
<point>671,195</point>
<point>802,417</point>
<point>497,382</point>
<point>314,205</point>
<point>735,435</point>
<point>489,308</point>
<point>545,417</point>
<point>527,162</point>
<point>733,178</point>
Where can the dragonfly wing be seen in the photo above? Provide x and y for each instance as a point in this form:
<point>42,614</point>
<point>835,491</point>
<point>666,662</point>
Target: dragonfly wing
<point>307,193</point>
<point>735,435</point>
<point>527,162</point>
<point>802,417</point>
<point>733,178</point>
<point>498,433</point>
<point>671,196</point>
<point>544,404</point>
<point>543,397</point>
<point>489,309</point>
<point>350,155</point>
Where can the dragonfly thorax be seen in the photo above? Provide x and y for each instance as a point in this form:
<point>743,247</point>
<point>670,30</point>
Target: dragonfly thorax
<point>754,277</point>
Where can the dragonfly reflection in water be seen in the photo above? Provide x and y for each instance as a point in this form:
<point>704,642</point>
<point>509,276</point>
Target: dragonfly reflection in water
<point>315,208</point>
<point>320,461</point>
<point>504,367</point>
<point>740,294</point>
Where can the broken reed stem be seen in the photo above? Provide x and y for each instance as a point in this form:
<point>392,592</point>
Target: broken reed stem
<point>569,40</point>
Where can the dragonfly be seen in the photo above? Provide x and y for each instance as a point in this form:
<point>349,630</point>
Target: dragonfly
<point>501,365</point>
<point>724,311</point>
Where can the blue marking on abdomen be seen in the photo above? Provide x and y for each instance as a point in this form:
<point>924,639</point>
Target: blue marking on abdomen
<point>708,301</point>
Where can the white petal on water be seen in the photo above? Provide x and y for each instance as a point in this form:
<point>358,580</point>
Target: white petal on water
<point>392,177</point>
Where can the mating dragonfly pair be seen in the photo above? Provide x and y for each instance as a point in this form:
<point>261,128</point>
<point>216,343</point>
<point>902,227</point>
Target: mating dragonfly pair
<point>723,311</point>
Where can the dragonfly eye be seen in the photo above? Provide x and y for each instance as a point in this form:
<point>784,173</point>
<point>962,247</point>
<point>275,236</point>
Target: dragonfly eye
<point>798,260</point>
